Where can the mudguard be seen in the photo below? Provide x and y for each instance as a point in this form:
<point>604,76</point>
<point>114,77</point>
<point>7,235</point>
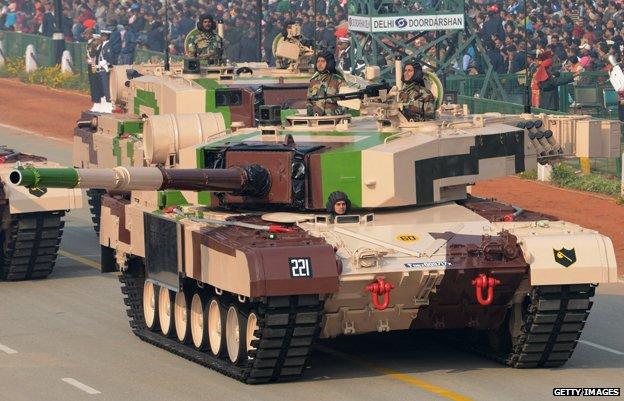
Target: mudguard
<point>571,258</point>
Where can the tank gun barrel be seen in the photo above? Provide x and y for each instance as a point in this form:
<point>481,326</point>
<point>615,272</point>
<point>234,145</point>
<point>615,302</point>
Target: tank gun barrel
<point>251,180</point>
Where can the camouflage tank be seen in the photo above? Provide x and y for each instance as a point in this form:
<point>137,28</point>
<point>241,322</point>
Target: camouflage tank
<point>233,89</point>
<point>238,250</point>
<point>32,221</point>
<point>140,92</point>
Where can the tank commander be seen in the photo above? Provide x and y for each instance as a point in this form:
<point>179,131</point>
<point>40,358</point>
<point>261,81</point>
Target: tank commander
<point>338,204</point>
<point>206,44</point>
<point>326,81</point>
<point>418,101</point>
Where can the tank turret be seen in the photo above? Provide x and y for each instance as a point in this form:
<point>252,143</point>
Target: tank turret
<point>377,165</point>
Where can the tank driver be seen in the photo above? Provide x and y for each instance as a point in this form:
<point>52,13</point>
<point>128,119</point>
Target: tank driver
<point>325,82</point>
<point>206,44</point>
<point>338,204</point>
<point>418,101</point>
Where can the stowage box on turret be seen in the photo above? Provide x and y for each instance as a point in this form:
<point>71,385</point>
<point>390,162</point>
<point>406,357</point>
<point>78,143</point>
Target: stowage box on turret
<point>238,250</point>
<point>32,221</point>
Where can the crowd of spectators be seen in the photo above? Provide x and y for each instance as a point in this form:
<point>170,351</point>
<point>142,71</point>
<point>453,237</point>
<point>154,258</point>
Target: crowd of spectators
<point>141,23</point>
<point>578,35</point>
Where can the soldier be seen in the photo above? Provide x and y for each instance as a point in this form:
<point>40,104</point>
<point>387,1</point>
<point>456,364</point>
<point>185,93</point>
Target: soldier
<point>95,84</point>
<point>105,60</point>
<point>206,44</point>
<point>418,101</point>
<point>338,203</point>
<point>325,82</point>
<point>292,34</point>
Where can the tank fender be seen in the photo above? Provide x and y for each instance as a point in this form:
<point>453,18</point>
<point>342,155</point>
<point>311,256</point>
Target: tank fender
<point>569,258</point>
<point>253,269</point>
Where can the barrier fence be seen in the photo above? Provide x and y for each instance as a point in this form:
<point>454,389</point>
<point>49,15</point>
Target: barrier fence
<point>591,94</point>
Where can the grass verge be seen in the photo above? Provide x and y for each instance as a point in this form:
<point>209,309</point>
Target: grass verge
<point>52,77</point>
<point>566,176</point>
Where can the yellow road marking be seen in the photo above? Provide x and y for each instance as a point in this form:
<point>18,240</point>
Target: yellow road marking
<point>78,258</point>
<point>396,375</point>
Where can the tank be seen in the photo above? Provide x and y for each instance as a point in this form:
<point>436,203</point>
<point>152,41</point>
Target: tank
<point>236,89</point>
<point>151,99</point>
<point>181,99</point>
<point>32,221</point>
<point>241,250</point>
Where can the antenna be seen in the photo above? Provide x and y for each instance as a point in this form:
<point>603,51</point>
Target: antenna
<point>167,65</point>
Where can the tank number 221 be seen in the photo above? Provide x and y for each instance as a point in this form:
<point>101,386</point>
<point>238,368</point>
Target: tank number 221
<point>300,267</point>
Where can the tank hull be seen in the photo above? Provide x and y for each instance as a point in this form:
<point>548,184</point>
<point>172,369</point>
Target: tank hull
<point>431,264</point>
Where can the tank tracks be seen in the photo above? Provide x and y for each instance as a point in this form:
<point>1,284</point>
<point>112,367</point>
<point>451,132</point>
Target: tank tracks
<point>30,245</point>
<point>553,319</point>
<point>94,197</point>
<point>288,327</point>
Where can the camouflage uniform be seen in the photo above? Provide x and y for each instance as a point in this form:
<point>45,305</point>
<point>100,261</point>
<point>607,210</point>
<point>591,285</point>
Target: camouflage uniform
<point>418,102</point>
<point>324,84</point>
<point>206,46</point>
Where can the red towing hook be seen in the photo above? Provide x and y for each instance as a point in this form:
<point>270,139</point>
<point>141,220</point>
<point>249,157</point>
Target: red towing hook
<point>380,288</point>
<point>481,282</point>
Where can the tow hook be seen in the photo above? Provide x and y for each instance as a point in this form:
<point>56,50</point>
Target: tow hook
<point>485,282</point>
<point>381,287</point>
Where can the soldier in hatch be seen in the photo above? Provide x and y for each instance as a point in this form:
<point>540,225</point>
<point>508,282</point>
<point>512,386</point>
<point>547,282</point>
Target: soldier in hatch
<point>292,34</point>
<point>418,101</point>
<point>206,44</point>
<point>338,204</point>
<point>325,82</point>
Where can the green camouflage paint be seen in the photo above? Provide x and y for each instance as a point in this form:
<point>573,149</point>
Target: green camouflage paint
<point>147,99</point>
<point>211,102</point>
<point>341,168</point>
<point>285,113</point>
<point>117,150</point>
<point>132,127</point>
<point>130,151</point>
<point>171,198</point>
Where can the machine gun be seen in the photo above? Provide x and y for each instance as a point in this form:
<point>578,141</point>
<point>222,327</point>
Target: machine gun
<point>373,90</point>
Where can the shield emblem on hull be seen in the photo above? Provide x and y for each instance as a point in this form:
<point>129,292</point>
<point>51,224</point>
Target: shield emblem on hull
<point>565,257</point>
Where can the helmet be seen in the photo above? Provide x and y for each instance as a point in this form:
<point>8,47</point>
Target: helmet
<point>329,58</point>
<point>419,76</point>
<point>334,197</point>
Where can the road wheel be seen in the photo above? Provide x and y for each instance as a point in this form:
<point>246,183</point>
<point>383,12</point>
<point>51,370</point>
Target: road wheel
<point>198,322</point>
<point>181,317</point>
<point>150,305</point>
<point>235,330</point>
<point>166,312</point>
<point>216,332</point>
<point>250,331</point>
